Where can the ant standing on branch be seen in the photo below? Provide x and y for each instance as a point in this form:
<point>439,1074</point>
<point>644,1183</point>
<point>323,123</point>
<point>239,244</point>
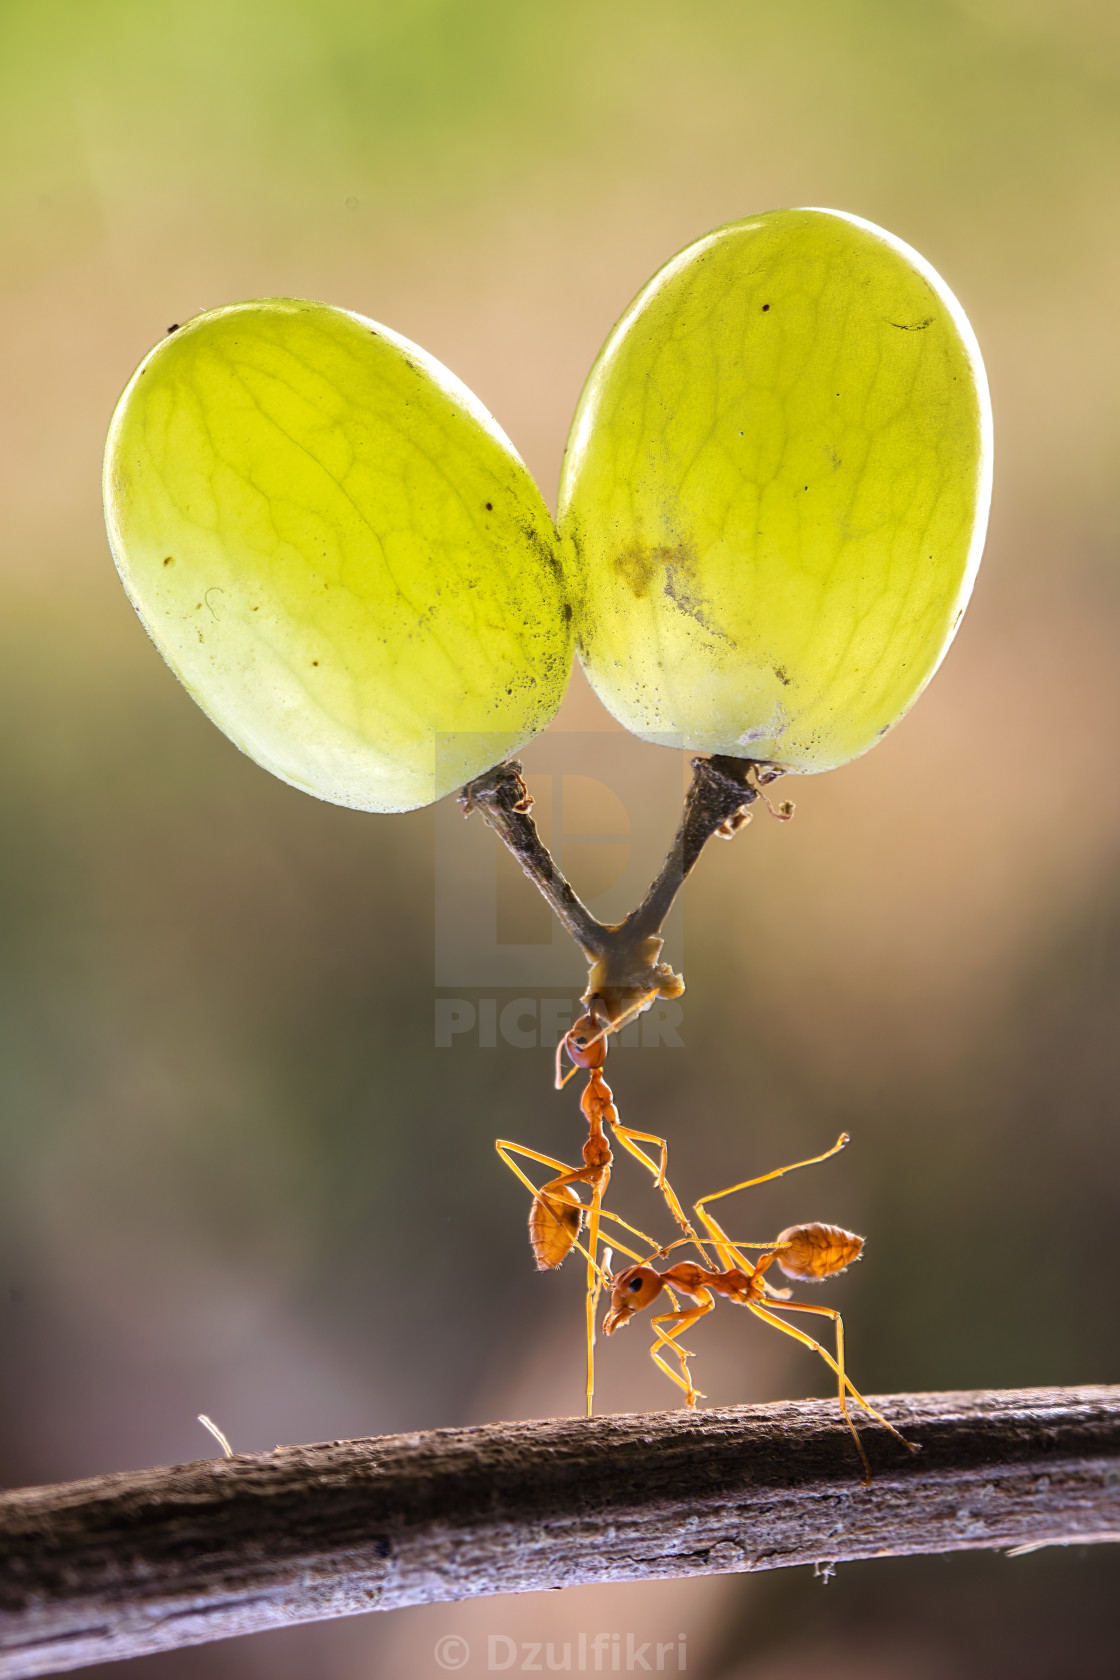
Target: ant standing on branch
<point>807,1253</point>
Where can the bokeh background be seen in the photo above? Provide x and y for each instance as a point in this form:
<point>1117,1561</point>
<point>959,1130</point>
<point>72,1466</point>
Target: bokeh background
<point>236,1174</point>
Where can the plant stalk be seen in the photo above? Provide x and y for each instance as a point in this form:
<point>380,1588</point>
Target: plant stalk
<point>624,969</point>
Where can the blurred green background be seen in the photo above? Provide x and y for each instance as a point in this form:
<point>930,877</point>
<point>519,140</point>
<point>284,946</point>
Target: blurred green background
<point>235,1174</point>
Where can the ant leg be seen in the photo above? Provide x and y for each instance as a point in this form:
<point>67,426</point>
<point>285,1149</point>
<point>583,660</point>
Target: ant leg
<point>557,1232</point>
<point>562,1236</point>
<point>505,1148</point>
<point>739,1242</point>
<point>557,1212</point>
<point>778,1172</point>
<point>594,1284</point>
<point>653,1248</point>
<point>729,1252</point>
<point>836,1365</point>
<point>568,1176</point>
<point>597,1278</point>
<point>718,1236</point>
<point>668,1339</point>
<point>691,1394</point>
<point>629,1140</point>
<point>830,1312</point>
<point>609,1249</point>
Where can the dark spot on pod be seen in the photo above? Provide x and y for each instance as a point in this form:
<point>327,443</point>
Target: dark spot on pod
<point>765,307</point>
<point>170,561</point>
<point>314,662</point>
<point>489,507</point>
<point>781,676</point>
<point>543,549</point>
<point>567,612</point>
<point>174,327</point>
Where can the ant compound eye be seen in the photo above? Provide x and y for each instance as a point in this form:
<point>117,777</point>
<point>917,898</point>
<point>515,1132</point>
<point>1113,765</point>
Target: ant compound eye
<point>634,1285</point>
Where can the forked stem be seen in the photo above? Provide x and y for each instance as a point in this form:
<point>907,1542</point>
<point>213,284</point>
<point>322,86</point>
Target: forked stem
<point>623,959</point>
<point>506,804</point>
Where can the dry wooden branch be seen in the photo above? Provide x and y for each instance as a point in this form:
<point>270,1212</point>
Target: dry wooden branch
<point>121,1565</point>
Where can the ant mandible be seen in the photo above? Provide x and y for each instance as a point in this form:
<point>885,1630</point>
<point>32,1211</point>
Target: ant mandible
<point>810,1252</point>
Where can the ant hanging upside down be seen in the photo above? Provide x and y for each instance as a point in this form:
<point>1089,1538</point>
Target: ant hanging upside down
<point>557,1214</point>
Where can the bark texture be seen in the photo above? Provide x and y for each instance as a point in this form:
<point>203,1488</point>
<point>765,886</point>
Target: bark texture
<point>144,1561</point>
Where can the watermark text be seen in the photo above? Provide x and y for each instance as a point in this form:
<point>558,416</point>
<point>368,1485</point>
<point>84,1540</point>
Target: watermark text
<point>584,1653</point>
<point>529,1023</point>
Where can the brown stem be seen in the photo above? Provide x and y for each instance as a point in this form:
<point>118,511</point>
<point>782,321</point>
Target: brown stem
<point>623,959</point>
<point>721,792</point>
<point>506,804</point>
<point>122,1565</point>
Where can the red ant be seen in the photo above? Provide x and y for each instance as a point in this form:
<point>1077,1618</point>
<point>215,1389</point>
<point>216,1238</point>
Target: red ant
<point>557,1213</point>
<point>810,1252</point>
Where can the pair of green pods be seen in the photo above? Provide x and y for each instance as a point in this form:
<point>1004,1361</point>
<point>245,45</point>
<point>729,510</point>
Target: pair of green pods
<point>771,512</point>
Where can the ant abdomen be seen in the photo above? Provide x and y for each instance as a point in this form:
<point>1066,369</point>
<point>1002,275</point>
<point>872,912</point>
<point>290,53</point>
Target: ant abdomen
<point>816,1251</point>
<point>555,1219</point>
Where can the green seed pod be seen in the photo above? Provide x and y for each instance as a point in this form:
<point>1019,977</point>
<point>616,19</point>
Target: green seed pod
<point>776,489</point>
<point>337,551</point>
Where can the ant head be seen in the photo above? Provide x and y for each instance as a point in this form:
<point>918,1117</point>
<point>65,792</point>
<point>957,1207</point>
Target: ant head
<point>814,1252</point>
<point>631,1290</point>
<point>586,1043</point>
